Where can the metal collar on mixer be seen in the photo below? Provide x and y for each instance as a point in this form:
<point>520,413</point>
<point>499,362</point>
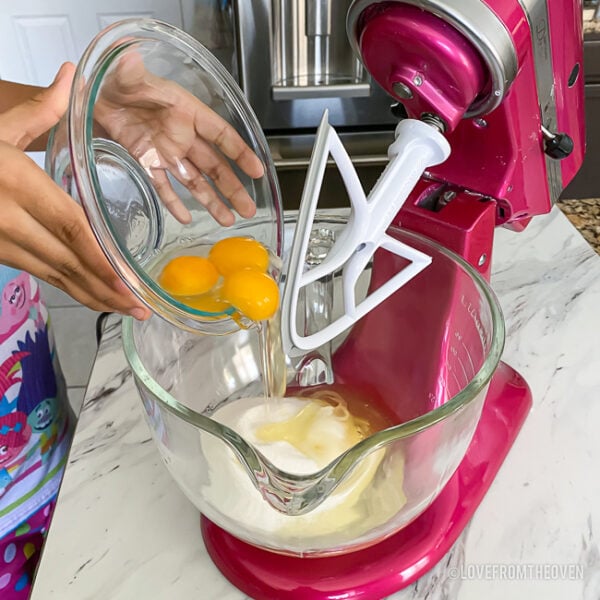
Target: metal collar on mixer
<point>478,23</point>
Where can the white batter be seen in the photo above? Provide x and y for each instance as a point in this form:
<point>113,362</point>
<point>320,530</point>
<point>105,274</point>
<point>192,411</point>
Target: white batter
<point>301,436</point>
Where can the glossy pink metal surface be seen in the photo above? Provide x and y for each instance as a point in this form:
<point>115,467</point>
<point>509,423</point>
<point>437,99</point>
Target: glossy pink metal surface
<point>566,24</point>
<point>443,71</point>
<point>501,154</point>
<point>461,224</point>
<point>398,561</point>
<point>404,353</point>
<point>566,43</point>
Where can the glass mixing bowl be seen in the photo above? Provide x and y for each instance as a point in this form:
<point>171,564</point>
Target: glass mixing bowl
<point>166,157</point>
<point>424,358</point>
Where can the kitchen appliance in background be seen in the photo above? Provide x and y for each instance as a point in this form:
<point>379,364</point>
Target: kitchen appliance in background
<point>294,61</point>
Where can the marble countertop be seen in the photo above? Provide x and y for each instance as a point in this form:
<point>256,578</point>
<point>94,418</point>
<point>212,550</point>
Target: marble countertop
<point>123,530</point>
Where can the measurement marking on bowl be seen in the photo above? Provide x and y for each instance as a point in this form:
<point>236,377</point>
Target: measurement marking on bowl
<point>470,360</point>
<point>462,366</point>
<point>473,313</point>
<point>460,386</point>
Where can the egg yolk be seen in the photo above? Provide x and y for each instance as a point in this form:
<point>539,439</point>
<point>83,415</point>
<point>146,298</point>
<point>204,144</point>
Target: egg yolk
<point>188,276</point>
<point>240,263</point>
<point>238,253</point>
<point>252,293</point>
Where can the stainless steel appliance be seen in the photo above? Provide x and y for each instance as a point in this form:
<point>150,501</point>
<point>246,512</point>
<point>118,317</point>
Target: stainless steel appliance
<point>293,60</point>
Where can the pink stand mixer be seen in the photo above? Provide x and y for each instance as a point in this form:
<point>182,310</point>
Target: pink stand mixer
<point>502,80</point>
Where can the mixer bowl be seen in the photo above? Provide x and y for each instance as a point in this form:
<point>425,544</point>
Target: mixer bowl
<point>424,358</point>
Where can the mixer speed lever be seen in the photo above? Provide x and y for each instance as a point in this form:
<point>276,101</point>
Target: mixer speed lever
<point>557,145</point>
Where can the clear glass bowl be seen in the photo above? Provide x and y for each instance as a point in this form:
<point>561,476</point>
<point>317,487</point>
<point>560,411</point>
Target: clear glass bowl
<point>145,149</point>
<point>424,358</point>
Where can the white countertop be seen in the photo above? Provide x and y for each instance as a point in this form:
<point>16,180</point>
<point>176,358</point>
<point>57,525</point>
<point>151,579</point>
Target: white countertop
<point>123,530</point>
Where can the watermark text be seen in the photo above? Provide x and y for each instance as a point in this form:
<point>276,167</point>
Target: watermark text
<point>517,571</point>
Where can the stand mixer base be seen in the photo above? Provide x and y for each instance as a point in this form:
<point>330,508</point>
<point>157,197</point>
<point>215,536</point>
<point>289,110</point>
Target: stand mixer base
<point>380,570</point>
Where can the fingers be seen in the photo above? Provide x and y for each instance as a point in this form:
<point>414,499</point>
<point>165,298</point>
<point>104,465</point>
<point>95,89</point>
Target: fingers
<point>202,161</point>
<point>185,172</point>
<point>24,260</point>
<point>216,130</point>
<point>44,232</point>
<point>200,189</point>
<point>144,150</point>
<point>59,273</point>
<point>55,98</point>
<point>130,73</point>
<point>203,192</point>
<point>78,266</point>
<point>132,85</point>
<point>165,127</point>
<point>29,120</point>
<point>220,172</point>
<point>168,196</point>
<point>48,257</point>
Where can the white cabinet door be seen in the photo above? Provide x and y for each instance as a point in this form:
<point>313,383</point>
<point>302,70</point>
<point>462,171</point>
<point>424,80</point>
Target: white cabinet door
<point>37,36</point>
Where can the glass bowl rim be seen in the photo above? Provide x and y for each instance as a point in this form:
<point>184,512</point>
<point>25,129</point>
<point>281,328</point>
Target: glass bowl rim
<point>339,466</point>
<point>99,55</point>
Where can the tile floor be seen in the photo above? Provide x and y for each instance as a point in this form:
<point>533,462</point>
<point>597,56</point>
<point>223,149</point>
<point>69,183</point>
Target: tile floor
<point>74,329</point>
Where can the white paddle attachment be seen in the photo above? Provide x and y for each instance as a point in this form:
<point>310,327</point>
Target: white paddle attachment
<point>417,146</point>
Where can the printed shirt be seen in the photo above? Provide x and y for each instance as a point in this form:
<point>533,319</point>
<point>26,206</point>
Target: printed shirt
<point>35,426</point>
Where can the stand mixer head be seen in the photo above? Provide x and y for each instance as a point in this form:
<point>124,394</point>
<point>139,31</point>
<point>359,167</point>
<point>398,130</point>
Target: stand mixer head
<point>505,77</point>
<point>499,95</point>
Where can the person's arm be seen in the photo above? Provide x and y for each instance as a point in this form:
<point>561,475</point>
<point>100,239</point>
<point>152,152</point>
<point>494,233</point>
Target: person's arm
<point>167,129</point>
<point>13,94</point>
<point>42,229</point>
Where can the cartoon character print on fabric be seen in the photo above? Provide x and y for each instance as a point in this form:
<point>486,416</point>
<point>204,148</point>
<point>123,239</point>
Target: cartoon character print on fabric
<point>37,396</point>
<point>10,371</point>
<point>14,435</point>
<point>18,303</point>
<point>14,430</point>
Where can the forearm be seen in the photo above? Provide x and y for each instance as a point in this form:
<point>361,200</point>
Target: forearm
<point>12,94</point>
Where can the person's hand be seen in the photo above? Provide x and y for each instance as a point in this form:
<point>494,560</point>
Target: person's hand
<point>166,128</point>
<point>43,230</point>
